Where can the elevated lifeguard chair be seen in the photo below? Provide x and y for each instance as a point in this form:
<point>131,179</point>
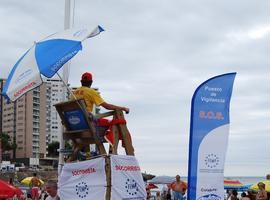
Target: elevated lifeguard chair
<point>82,128</point>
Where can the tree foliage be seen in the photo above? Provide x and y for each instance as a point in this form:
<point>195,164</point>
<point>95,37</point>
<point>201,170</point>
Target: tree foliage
<point>67,145</point>
<point>52,149</point>
<point>6,142</point>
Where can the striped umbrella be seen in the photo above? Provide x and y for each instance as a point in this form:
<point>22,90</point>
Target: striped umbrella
<point>230,184</point>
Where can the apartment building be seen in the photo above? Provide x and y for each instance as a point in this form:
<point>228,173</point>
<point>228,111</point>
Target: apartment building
<point>1,100</point>
<point>56,92</point>
<point>25,122</point>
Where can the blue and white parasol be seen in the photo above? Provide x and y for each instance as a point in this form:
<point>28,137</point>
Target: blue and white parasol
<point>45,58</point>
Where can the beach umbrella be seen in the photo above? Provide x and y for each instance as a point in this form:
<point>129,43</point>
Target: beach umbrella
<point>255,185</point>
<point>8,191</point>
<point>232,184</point>
<point>162,180</point>
<point>27,180</point>
<point>44,59</point>
<point>151,186</point>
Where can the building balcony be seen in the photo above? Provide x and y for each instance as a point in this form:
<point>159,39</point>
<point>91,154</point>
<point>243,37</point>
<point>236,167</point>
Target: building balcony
<point>35,113</point>
<point>35,133</point>
<point>35,145</point>
<point>35,140</point>
<point>36,106</point>
<point>36,126</point>
<point>36,102</point>
<point>35,119</point>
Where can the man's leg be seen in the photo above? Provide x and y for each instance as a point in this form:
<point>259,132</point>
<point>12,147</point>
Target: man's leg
<point>34,193</point>
<point>181,196</point>
<point>176,195</point>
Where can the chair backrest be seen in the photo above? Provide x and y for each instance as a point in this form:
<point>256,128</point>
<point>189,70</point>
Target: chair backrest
<point>74,115</point>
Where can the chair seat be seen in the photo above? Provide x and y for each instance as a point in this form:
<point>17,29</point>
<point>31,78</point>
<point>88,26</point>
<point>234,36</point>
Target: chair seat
<point>77,131</point>
<point>70,135</point>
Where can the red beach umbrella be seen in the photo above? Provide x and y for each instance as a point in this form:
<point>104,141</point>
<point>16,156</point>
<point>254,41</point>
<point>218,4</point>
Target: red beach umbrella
<point>8,191</point>
<point>151,186</point>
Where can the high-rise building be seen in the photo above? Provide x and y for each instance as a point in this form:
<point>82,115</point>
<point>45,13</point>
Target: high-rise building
<point>56,92</point>
<point>25,122</point>
<point>1,115</point>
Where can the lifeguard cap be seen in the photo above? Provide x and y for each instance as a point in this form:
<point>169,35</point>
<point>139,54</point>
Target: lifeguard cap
<point>87,76</point>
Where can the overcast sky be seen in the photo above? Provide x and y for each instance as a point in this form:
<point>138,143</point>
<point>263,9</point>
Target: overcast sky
<point>152,57</point>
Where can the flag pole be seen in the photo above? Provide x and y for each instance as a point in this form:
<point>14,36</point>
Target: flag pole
<point>65,81</point>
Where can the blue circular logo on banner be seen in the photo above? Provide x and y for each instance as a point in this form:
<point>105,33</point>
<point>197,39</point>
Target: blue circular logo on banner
<point>131,187</point>
<point>82,190</point>
<point>211,160</point>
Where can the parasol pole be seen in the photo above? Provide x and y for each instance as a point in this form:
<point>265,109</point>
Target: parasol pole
<point>66,86</point>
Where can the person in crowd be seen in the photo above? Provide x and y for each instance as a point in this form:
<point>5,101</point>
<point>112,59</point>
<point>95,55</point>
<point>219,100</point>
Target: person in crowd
<point>43,194</point>
<point>268,178</point>
<point>228,194</point>
<point>28,196</point>
<point>35,183</point>
<point>179,188</point>
<point>262,194</point>
<point>251,195</point>
<point>158,196</point>
<point>168,195</point>
<point>148,194</point>
<point>11,181</point>
<point>164,191</point>
<point>244,196</point>
<point>51,189</point>
<point>92,97</point>
<point>233,195</point>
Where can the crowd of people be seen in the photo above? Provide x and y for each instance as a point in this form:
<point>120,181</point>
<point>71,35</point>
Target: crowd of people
<point>262,194</point>
<point>250,195</point>
<point>39,192</point>
<point>177,191</point>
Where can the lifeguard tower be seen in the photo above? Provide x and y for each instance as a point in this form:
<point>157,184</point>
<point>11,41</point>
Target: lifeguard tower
<point>106,175</point>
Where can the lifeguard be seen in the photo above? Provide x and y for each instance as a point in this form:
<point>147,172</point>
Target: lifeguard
<point>92,97</point>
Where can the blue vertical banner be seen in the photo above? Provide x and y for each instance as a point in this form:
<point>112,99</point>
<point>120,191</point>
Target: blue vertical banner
<point>209,131</point>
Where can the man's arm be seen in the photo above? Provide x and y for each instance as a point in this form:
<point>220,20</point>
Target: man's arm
<point>39,183</point>
<point>114,107</point>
